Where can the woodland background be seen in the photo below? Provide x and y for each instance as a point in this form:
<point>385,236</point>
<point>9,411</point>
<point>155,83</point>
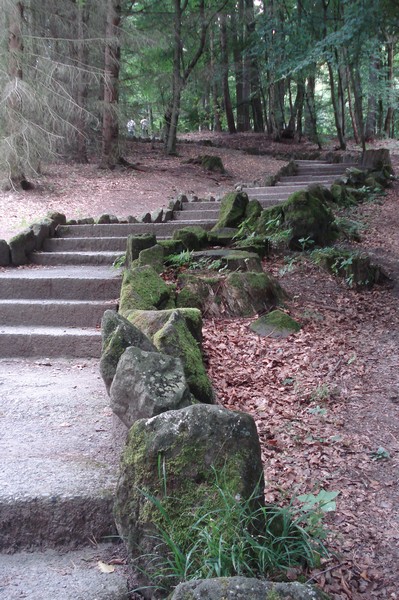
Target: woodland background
<point>73,72</point>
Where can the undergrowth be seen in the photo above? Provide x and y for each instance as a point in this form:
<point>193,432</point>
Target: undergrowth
<point>240,537</point>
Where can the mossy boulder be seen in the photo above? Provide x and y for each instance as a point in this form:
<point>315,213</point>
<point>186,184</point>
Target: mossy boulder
<point>147,384</point>
<point>153,256</point>
<point>212,162</point>
<point>117,335</point>
<point>342,195</point>
<point>151,321</point>
<point>245,588</point>
<point>257,243</point>
<point>354,267</point>
<point>308,218</point>
<point>143,289</point>
<point>171,247</point>
<point>175,339</point>
<point>321,192</point>
<point>232,210</point>
<point>192,238</point>
<point>276,324</point>
<point>5,256</point>
<point>246,294</point>
<point>136,243</point>
<point>222,237</point>
<point>21,245</point>
<point>175,458</point>
<point>232,260</point>
<point>270,220</point>
<point>239,294</point>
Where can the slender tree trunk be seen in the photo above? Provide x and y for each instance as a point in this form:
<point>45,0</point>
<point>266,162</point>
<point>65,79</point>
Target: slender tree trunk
<point>352,114</point>
<point>310,110</point>
<point>371,119</point>
<point>217,123</point>
<point>225,75</point>
<point>255,91</point>
<point>389,115</point>
<point>82,85</point>
<point>14,101</point>
<point>337,120</point>
<point>357,93</point>
<point>110,149</point>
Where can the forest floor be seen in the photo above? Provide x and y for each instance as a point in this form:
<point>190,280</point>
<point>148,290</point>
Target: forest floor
<point>325,400</point>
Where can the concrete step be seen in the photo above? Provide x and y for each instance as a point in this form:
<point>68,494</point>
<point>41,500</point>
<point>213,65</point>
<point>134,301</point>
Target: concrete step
<point>74,258</point>
<point>203,204</point>
<point>52,313</point>
<point>53,575</point>
<point>197,215</point>
<point>26,341</point>
<point>68,283</point>
<point>59,453</point>
<point>87,244</point>
<point>307,180</point>
<point>125,229</point>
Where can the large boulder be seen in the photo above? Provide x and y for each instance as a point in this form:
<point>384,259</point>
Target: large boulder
<point>143,289</point>
<point>172,459</point>
<point>5,257</point>
<point>276,324</point>
<point>147,384</point>
<point>175,339</point>
<point>21,245</point>
<point>151,321</point>
<point>242,588</point>
<point>153,256</point>
<point>239,294</point>
<point>232,260</point>
<point>308,218</point>
<point>117,335</point>
<point>136,243</point>
<point>232,210</point>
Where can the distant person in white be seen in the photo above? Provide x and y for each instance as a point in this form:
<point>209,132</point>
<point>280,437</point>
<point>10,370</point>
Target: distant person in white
<point>144,127</point>
<point>131,127</point>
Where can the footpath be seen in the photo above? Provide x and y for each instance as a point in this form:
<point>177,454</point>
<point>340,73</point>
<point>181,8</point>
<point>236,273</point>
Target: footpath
<point>59,440</point>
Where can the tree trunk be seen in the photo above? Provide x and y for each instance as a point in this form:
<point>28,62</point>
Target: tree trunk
<point>371,119</point>
<point>255,89</point>
<point>110,133</point>
<point>82,85</point>
<point>310,110</point>
<point>389,116</point>
<point>14,100</point>
<point>217,123</point>
<point>225,75</point>
<point>337,120</point>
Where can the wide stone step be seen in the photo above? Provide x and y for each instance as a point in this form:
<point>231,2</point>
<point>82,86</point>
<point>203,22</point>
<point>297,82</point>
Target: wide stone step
<point>54,575</point>
<point>125,229</point>
<point>59,455</point>
<point>70,342</point>
<point>203,204</point>
<point>74,258</point>
<point>306,180</point>
<point>68,283</point>
<point>196,216</point>
<point>88,244</point>
<point>52,313</point>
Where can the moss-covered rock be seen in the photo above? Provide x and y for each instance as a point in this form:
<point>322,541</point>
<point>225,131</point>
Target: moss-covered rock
<point>212,162</point>
<point>231,260</point>
<point>118,334</point>
<point>222,237</point>
<point>188,238</point>
<point>136,243</point>
<point>308,218</point>
<point>354,267</point>
<point>276,324</point>
<point>151,321</point>
<point>195,291</point>
<point>171,247</point>
<point>153,256</point>
<point>258,244</point>
<point>143,289</point>
<point>147,384</point>
<point>270,220</point>
<point>173,458</point>
<point>21,245</point>
<point>232,210</point>
<point>175,339</point>
<point>246,294</point>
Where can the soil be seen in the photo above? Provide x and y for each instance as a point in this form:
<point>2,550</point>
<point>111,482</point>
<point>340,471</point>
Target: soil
<point>326,399</point>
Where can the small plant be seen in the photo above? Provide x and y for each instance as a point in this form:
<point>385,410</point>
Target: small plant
<point>321,393</point>
<point>380,454</point>
<point>240,536</point>
<point>317,410</point>
<point>291,263</point>
<point>182,259</point>
<point>119,262</point>
<point>306,243</point>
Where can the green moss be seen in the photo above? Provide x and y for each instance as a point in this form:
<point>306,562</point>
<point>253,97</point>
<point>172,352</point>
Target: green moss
<point>153,256</point>
<point>188,238</point>
<point>176,340</point>
<point>151,321</point>
<point>171,247</point>
<point>143,289</point>
<point>275,324</point>
<point>232,210</point>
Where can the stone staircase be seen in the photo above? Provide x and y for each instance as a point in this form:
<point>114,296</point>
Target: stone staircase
<point>58,441</point>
